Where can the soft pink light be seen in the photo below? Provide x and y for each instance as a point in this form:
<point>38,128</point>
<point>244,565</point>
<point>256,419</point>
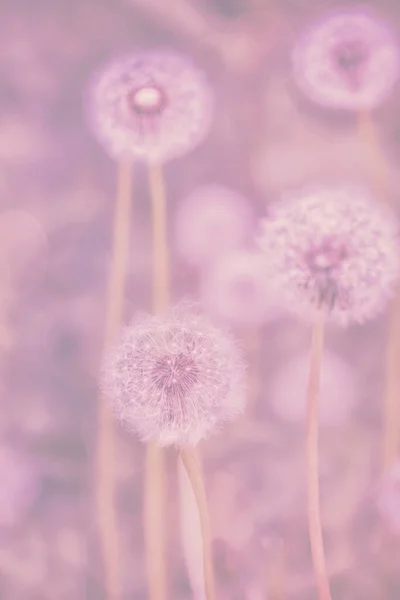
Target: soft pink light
<point>388,499</point>
<point>236,288</point>
<point>338,394</point>
<point>18,486</point>
<point>211,221</point>
<point>129,127</point>
<point>22,236</point>
<point>349,60</point>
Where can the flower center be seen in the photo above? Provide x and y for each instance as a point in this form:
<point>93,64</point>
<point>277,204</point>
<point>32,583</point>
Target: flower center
<point>323,262</point>
<point>350,57</point>
<point>175,375</point>
<point>148,101</point>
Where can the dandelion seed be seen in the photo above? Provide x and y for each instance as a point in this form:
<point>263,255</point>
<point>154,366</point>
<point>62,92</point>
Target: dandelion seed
<point>333,248</point>
<point>212,220</point>
<point>174,378</point>
<point>155,105</point>
<point>349,60</point>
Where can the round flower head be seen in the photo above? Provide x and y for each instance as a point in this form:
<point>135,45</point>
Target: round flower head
<point>211,221</point>
<point>157,105</point>
<point>175,377</point>
<point>336,249</point>
<point>337,390</point>
<point>388,499</point>
<point>235,288</point>
<point>348,61</point>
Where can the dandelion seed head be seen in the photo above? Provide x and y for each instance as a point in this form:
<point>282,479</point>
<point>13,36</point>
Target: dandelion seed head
<point>236,288</point>
<point>349,60</point>
<point>156,105</point>
<point>175,377</point>
<point>335,248</point>
<point>211,221</point>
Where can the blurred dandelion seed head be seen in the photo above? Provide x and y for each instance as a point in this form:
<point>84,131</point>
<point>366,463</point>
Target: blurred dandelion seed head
<point>211,221</point>
<point>236,287</point>
<point>336,248</point>
<point>349,60</point>
<point>156,105</point>
<point>175,377</point>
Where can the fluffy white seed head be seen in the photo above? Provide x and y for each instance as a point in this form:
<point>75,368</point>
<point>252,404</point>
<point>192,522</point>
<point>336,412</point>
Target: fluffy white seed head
<point>176,377</point>
<point>349,60</point>
<point>156,105</point>
<point>336,248</point>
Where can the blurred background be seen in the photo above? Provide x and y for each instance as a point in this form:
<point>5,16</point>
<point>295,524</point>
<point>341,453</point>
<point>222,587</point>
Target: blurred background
<point>56,205</point>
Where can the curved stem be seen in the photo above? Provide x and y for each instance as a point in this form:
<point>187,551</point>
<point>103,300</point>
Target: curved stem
<point>375,160</point>
<point>391,412</point>
<point>313,500</point>
<point>160,241</point>
<point>154,521</point>
<point>107,520</point>
<point>154,498</point>
<point>193,470</point>
<point>391,407</point>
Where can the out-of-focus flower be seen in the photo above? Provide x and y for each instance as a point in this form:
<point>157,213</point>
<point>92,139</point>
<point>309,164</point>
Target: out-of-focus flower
<point>338,394</point>
<point>19,486</point>
<point>235,287</point>
<point>334,248</point>
<point>175,377</point>
<point>211,221</point>
<point>156,105</point>
<point>388,499</point>
<point>349,60</point>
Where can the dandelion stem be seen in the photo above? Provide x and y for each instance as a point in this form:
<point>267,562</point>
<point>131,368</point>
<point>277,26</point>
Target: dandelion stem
<point>391,407</point>
<point>375,160</point>
<point>391,411</point>
<point>154,500</point>
<point>313,500</point>
<point>193,470</point>
<point>154,521</point>
<point>276,576</point>
<point>160,242</point>
<point>107,521</point>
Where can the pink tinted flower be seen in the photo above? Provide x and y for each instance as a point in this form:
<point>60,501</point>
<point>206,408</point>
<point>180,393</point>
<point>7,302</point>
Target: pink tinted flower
<point>388,499</point>
<point>236,288</point>
<point>157,105</point>
<point>338,395</point>
<point>211,221</point>
<point>335,248</point>
<point>175,377</point>
<point>18,486</point>
<point>349,60</point>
